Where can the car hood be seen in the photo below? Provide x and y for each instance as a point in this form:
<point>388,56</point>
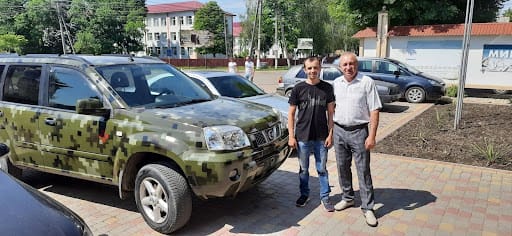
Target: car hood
<point>273,100</point>
<point>431,77</point>
<point>221,111</point>
<point>26,211</point>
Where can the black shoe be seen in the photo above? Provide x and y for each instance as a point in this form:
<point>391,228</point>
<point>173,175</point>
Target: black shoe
<point>302,201</point>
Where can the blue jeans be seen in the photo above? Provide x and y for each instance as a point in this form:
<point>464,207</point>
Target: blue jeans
<point>320,152</point>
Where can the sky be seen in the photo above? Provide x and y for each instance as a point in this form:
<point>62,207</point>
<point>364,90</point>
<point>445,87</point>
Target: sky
<point>236,7</point>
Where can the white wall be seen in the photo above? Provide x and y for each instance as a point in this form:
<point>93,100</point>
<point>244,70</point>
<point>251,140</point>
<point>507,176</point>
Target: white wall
<point>441,56</point>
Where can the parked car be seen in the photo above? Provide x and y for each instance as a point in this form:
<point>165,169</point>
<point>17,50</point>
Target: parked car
<point>415,86</point>
<point>236,86</point>
<point>26,211</point>
<point>388,92</point>
<point>97,118</point>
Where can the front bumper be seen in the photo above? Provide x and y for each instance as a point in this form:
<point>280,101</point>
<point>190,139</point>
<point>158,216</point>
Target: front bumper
<point>215,178</point>
<point>389,98</point>
<point>436,92</point>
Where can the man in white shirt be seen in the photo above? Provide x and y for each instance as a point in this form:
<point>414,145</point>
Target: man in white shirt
<point>232,68</point>
<point>357,105</point>
<point>249,69</point>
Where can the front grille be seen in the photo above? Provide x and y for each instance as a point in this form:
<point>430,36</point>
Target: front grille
<point>266,136</point>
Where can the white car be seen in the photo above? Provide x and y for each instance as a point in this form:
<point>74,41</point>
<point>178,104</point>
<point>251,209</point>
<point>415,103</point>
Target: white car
<point>235,86</point>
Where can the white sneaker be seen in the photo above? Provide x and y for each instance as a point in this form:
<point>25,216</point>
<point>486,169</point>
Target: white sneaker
<point>370,218</point>
<point>343,205</point>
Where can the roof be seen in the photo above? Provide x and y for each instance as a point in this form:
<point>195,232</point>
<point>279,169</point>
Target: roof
<point>237,29</point>
<point>440,30</point>
<point>174,7</point>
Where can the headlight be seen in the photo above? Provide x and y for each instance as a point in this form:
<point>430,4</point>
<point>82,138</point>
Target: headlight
<point>433,82</point>
<point>225,137</point>
<point>283,118</point>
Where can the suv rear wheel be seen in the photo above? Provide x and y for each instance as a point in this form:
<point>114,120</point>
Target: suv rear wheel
<point>163,197</point>
<point>288,92</point>
<point>415,95</point>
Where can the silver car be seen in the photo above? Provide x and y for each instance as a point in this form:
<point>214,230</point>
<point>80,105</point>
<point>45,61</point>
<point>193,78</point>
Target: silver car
<point>235,86</point>
<point>388,92</point>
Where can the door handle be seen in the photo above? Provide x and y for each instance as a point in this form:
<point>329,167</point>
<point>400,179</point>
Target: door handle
<point>50,121</point>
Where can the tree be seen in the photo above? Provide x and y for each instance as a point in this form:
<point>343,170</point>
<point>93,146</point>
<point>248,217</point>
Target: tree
<point>106,26</point>
<point>422,12</point>
<point>12,43</point>
<point>211,18</point>
<point>508,13</point>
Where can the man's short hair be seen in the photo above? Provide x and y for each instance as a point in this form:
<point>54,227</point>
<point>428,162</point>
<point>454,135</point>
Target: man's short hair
<point>311,59</point>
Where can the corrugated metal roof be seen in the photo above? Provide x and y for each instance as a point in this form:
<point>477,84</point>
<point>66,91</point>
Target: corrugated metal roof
<point>174,7</point>
<point>440,30</point>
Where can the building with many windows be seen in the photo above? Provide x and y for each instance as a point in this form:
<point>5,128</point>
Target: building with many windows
<point>170,30</point>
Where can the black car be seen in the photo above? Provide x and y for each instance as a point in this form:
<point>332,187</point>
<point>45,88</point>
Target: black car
<point>26,211</point>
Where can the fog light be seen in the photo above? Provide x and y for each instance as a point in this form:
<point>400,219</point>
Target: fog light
<point>233,175</point>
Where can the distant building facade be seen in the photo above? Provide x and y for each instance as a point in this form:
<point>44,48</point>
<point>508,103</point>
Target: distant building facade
<point>170,31</point>
<point>437,50</point>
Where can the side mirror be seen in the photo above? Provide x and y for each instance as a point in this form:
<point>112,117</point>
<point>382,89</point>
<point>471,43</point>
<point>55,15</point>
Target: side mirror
<point>91,106</point>
<point>396,72</point>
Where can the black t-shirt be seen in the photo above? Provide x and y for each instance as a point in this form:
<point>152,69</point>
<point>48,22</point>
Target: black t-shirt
<point>311,102</point>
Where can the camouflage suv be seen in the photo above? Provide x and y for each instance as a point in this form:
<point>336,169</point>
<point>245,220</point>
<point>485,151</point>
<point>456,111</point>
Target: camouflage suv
<point>114,120</point>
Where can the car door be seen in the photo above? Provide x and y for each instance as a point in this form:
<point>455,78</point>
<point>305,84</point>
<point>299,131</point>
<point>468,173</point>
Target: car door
<point>386,71</point>
<point>73,142</point>
<point>329,74</point>
<point>19,113</point>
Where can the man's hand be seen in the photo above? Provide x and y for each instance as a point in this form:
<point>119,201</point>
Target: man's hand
<point>292,142</point>
<point>369,143</point>
<point>328,141</point>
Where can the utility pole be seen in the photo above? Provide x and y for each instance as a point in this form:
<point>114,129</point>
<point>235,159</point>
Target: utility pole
<point>62,39</point>
<point>276,48</point>
<point>258,65</point>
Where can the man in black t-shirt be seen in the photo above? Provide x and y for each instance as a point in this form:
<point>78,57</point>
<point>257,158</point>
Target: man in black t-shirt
<point>312,131</point>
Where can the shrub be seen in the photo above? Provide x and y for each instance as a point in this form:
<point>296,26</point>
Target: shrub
<point>451,91</point>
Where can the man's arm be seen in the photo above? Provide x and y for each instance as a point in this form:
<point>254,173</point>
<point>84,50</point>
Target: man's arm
<point>291,126</point>
<point>374,123</point>
<point>330,124</point>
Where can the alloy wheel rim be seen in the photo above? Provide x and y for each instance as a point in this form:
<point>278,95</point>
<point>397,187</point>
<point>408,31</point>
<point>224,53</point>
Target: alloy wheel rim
<point>154,200</point>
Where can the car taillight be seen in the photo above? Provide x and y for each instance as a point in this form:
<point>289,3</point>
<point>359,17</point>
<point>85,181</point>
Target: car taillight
<point>280,79</point>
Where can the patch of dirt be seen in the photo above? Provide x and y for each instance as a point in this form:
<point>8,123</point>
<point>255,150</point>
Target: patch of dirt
<point>484,129</point>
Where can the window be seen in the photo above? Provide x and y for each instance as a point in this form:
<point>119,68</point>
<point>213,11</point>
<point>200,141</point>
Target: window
<point>157,36</point>
<point>174,51</point>
<point>365,66</point>
<point>158,51</point>
<point>156,21</point>
<point>150,36</point>
<point>301,74</point>
<point>67,87</point>
<point>189,20</point>
<point>164,21</point>
<point>173,21</point>
<point>148,22</point>
<point>330,73</point>
<point>182,51</point>
<point>181,20</point>
<point>173,35</point>
<point>385,67</point>
<point>22,84</point>
<point>164,36</point>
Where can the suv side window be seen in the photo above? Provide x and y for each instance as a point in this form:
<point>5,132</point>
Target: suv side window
<point>301,74</point>
<point>365,66</point>
<point>22,84</point>
<point>385,67</point>
<point>66,87</point>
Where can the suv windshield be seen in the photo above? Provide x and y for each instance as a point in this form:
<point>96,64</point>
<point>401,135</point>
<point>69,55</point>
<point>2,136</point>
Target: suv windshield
<point>235,86</point>
<point>153,85</point>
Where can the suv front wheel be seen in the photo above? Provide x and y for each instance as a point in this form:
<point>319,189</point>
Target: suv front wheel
<point>163,197</point>
<point>415,95</point>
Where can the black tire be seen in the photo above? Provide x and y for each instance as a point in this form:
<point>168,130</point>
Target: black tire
<point>288,93</point>
<point>175,195</point>
<point>415,95</point>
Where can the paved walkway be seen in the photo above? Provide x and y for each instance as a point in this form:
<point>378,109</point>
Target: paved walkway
<point>413,197</point>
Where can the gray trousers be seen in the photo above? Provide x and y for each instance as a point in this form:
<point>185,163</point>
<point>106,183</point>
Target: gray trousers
<point>348,144</point>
